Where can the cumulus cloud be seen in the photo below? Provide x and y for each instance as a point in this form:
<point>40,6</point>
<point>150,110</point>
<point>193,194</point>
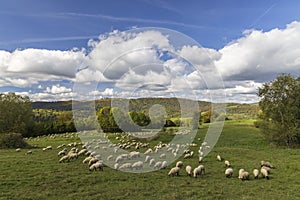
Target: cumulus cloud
<point>57,89</point>
<point>262,55</point>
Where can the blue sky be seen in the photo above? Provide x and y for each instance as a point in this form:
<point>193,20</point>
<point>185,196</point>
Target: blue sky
<point>233,29</point>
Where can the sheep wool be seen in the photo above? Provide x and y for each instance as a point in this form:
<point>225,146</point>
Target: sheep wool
<point>64,158</point>
<point>228,172</point>
<point>137,165</point>
<point>198,171</point>
<point>173,171</point>
<point>219,158</point>
<point>97,165</point>
<point>164,164</point>
<point>179,164</point>
<point>264,173</point>
<point>255,173</point>
<point>227,163</point>
<point>188,170</point>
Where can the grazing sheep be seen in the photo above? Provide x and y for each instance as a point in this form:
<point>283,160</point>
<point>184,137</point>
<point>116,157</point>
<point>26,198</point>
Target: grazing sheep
<point>173,171</point>
<point>188,170</point>
<point>179,164</point>
<point>255,173</point>
<point>73,155</point>
<point>267,168</point>
<point>219,158</point>
<point>62,152</point>
<point>134,154</point>
<point>266,164</point>
<point>200,159</point>
<point>189,155</point>
<point>157,165</point>
<point>97,165</point>
<point>243,175</point>
<point>137,165</point>
<point>18,150</point>
<point>92,161</point>
<point>152,162</point>
<point>198,171</point>
<point>228,172</point>
<point>126,166</point>
<point>110,157</point>
<point>164,164</point>
<point>64,158</point>
<point>227,163</point>
<point>264,173</point>
<point>87,159</point>
<point>82,152</point>
<point>29,152</point>
<point>162,156</point>
<point>148,151</point>
<point>116,166</point>
<point>147,159</point>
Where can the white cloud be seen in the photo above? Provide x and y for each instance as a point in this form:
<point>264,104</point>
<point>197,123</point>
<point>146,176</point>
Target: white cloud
<point>262,55</point>
<point>57,89</point>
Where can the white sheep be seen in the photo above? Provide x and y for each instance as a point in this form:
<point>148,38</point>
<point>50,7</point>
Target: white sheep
<point>219,158</point>
<point>164,164</point>
<point>152,162</point>
<point>267,168</point>
<point>157,165</point>
<point>147,159</point>
<point>18,150</point>
<point>227,163</point>
<point>92,161</point>
<point>110,157</point>
<point>266,164</point>
<point>87,159</point>
<point>126,166</point>
<point>162,156</point>
<point>64,158</point>
<point>137,165</point>
<point>134,154</point>
<point>200,159</point>
<point>72,155</point>
<point>148,151</point>
<point>62,152</point>
<point>29,152</point>
<point>97,165</point>
<point>198,171</point>
<point>179,164</point>
<point>228,172</point>
<point>116,166</point>
<point>189,155</point>
<point>264,173</point>
<point>82,152</point>
<point>173,171</point>
<point>243,175</point>
<point>188,170</point>
<point>255,173</point>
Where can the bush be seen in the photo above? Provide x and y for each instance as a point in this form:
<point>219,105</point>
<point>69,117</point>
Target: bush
<point>12,140</point>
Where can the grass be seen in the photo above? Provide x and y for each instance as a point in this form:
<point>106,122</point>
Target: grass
<point>40,176</point>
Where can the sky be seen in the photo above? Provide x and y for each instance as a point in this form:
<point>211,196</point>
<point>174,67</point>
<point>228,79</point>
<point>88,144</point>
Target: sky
<point>54,50</point>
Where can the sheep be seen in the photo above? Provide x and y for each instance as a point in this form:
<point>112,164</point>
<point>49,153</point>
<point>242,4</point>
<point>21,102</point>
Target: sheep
<point>267,168</point>
<point>97,165</point>
<point>137,165</point>
<point>92,161</point>
<point>72,155</point>
<point>228,172</point>
<point>179,164</point>
<point>200,159</point>
<point>219,158</point>
<point>82,152</point>
<point>116,166</point>
<point>264,173</point>
<point>64,158</point>
<point>162,156</point>
<point>227,163</point>
<point>188,170</point>
<point>148,151</point>
<point>243,175</point>
<point>29,152</point>
<point>164,164</point>
<point>188,155</point>
<point>152,162</point>
<point>266,164</point>
<point>62,152</point>
<point>134,154</point>
<point>255,173</point>
<point>147,159</point>
<point>126,166</point>
<point>157,165</point>
<point>173,171</point>
<point>87,159</point>
<point>198,171</point>
<point>18,150</point>
<point>110,157</point>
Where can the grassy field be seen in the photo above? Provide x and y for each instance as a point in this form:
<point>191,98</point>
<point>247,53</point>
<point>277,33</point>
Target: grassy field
<point>41,176</point>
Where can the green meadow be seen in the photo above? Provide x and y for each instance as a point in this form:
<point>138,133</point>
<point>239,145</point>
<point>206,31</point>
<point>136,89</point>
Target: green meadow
<point>41,176</point>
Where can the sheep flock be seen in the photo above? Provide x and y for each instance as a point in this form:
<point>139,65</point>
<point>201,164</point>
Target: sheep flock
<point>135,156</point>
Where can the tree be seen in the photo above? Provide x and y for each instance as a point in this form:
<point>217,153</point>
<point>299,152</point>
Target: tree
<point>280,110</point>
<point>16,114</point>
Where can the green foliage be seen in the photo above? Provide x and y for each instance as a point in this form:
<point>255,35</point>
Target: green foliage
<point>16,114</point>
<point>280,110</point>
<point>12,140</point>
<point>140,118</point>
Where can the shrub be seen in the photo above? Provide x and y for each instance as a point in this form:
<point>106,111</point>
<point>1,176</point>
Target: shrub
<point>12,140</point>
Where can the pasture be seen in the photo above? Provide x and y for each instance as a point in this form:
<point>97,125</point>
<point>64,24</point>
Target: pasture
<point>41,176</point>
